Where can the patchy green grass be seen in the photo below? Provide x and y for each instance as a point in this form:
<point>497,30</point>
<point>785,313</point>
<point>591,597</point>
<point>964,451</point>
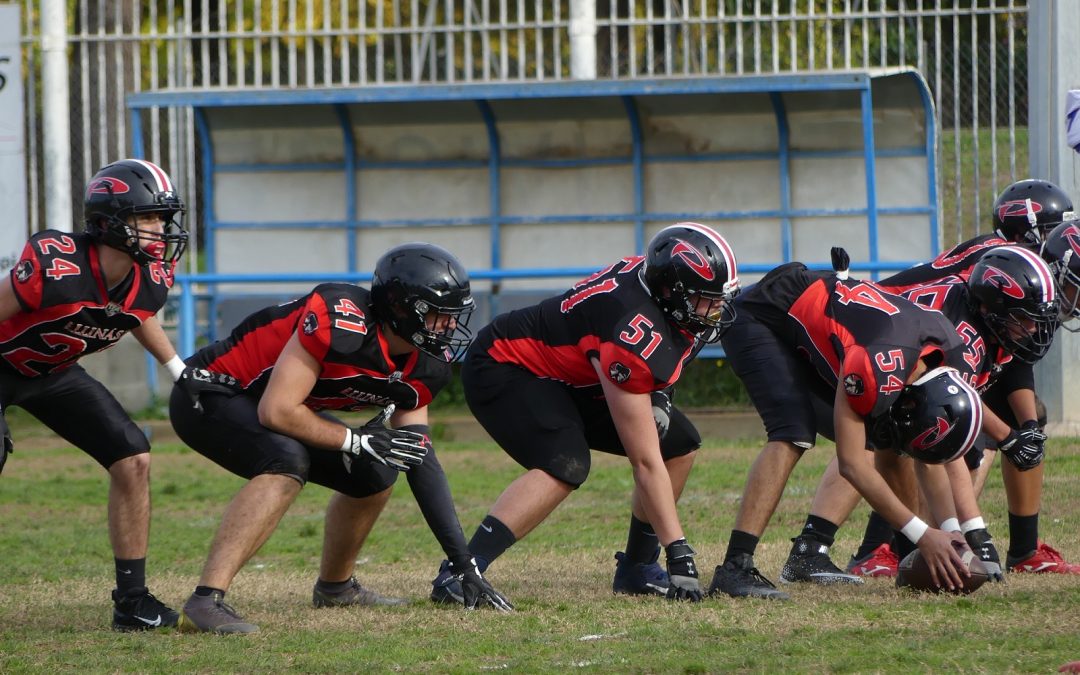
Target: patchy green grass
<point>54,602</point>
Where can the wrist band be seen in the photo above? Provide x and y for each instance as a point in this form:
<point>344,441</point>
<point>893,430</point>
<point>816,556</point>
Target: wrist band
<point>915,529</point>
<point>976,523</point>
<point>175,366</point>
<point>347,445</point>
<point>951,525</point>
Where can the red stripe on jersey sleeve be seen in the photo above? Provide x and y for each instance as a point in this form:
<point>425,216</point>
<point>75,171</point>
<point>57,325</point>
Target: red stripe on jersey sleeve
<point>28,290</point>
<point>626,370</point>
<point>316,341</point>
<point>860,380</point>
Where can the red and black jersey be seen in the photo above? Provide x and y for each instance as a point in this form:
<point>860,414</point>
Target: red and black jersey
<point>335,325</point>
<point>609,316</point>
<point>67,311</point>
<point>851,326</point>
<point>988,360</point>
<point>956,262</point>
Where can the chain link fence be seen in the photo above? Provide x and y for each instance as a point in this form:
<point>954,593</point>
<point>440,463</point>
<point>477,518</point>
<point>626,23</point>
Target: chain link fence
<point>972,53</point>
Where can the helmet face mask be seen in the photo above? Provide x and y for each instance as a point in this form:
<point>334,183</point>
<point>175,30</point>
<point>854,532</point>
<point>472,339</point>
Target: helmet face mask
<point>1061,251</point>
<point>442,332</point>
<point>422,292</point>
<point>934,420</point>
<point>691,273</point>
<point>1013,291</point>
<point>1027,210</point>
<point>118,198</point>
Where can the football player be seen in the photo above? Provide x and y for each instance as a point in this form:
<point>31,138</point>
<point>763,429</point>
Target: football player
<point>1049,221</point>
<point>1024,213</point>
<point>822,353</point>
<point>258,400</point>
<point>73,294</point>
<point>587,369</point>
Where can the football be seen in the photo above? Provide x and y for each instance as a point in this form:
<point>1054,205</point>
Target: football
<point>914,573</point>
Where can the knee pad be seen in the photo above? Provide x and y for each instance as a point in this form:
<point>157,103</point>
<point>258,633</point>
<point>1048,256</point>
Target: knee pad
<point>283,456</point>
<point>682,437</point>
<point>974,458</point>
<point>572,470</point>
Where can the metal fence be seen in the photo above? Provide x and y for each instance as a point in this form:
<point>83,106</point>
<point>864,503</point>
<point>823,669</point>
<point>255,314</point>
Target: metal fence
<point>972,52</point>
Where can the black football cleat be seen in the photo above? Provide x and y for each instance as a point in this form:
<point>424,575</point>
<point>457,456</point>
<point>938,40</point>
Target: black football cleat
<point>210,614</point>
<point>739,578</point>
<point>809,562</point>
<point>647,578</point>
<point>354,594</point>
<point>138,609</point>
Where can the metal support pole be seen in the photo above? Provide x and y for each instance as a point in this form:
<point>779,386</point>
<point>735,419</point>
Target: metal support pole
<point>55,104</point>
<point>1053,69</point>
<point>583,39</point>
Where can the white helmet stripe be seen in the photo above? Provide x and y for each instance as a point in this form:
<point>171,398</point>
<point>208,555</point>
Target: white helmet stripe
<point>1041,269</point>
<point>160,177</point>
<point>721,243</point>
<point>976,406</point>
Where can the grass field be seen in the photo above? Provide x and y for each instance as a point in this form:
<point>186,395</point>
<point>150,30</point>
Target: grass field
<point>54,590</point>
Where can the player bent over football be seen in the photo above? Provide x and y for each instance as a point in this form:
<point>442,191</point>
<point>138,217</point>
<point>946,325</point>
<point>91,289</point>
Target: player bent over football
<point>820,353</point>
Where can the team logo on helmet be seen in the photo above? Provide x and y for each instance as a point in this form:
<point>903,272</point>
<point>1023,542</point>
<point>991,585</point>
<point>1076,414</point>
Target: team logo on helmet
<point>24,271</point>
<point>311,323</point>
<point>1017,207</point>
<point>694,259</point>
<point>933,435</point>
<point>618,372</point>
<point>107,185</point>
<point>853,385</point>
<point>1003,282</point>
<point>1072,235</point>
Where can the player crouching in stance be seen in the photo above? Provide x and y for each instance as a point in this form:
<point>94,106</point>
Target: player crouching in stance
<point>71,295</point>
<point>823,354</point>
<point>340,347</point>
<point>584,370</point>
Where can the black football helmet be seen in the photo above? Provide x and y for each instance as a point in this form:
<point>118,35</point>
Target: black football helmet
<point>936,419</point>
<point>1027,210</point>
<point>686,263</point>
<point>422,292</point>
<point>1061,251</point>
<point>133,187</point>
<point>1012,289</point>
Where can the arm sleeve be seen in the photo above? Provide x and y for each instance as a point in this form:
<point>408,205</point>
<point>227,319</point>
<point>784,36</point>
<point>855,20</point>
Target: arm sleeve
<point>1016,376</point>
<point>432,493</point>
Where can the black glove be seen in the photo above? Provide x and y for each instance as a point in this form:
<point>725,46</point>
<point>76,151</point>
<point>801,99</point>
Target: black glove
<point>395,448</point>
<point>198,381</point>
<point>983,546</point>
<point>661,412</point>
<point>6,446</point>
<point>683,572</point>
<point>475,588</point>
<point>1024,446</point>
